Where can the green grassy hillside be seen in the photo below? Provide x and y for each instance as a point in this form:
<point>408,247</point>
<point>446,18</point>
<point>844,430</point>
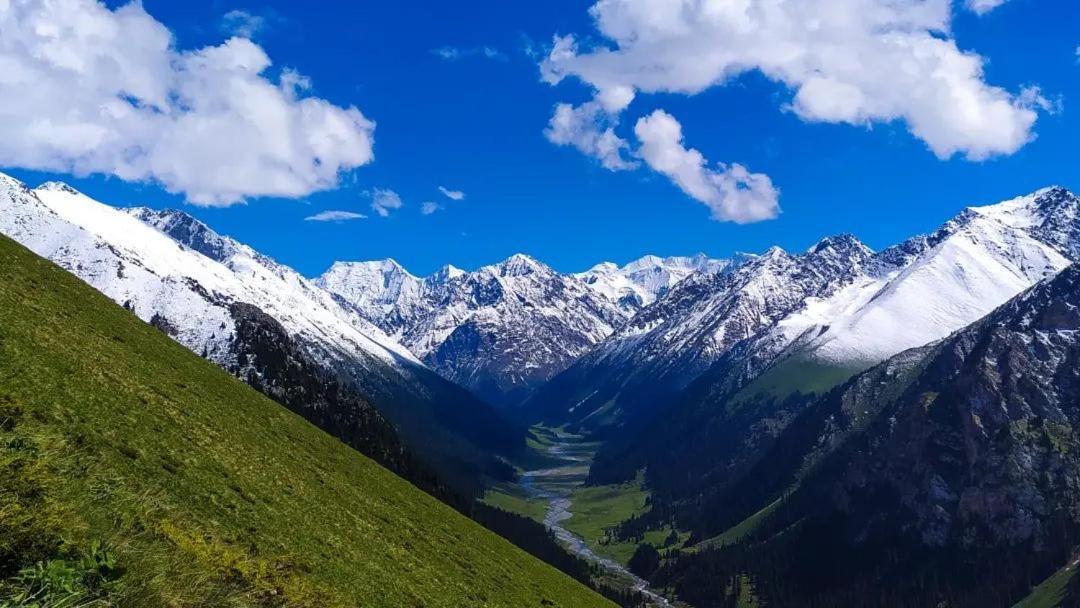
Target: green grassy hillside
<point>133,473</point>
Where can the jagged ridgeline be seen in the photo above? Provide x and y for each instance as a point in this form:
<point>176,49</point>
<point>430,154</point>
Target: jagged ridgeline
<point>134,473</point>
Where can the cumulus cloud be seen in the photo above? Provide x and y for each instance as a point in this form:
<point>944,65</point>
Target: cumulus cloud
<point>845,61</point>
<point>983,6</point>
<point>383,201</point>
<point>429,207</point>
<point>591,129</point>
<point>454,195</point>
<point>335,216</point>
<point>88,89</point>
<point>731,192</point>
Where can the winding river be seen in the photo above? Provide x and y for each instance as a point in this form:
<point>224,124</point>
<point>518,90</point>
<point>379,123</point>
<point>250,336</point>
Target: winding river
<point>554,486</point>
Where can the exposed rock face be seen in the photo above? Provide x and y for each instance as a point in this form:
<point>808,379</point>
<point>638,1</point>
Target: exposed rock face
<point>983,447</point>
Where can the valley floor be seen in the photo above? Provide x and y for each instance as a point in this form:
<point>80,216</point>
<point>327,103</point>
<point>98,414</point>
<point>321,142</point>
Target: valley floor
<point>580,516</point>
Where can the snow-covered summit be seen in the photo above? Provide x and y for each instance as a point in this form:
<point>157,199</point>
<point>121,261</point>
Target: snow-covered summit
<point>640,282</point>
<point>377,288</point>
<point>55,186</point>
<point>839,305</point>
<point>500,330</point>
<point>516,265</point>
<point>933,285</point>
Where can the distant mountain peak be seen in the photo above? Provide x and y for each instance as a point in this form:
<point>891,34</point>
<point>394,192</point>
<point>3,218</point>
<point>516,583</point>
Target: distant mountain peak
<point>640,282</point>
<point>10,183</point>
<point>844,242</point>
<point>645,261</point>
<point>56,186</point>
<point>775,251</point>
<point>189,231</point>
<point>520,264</point>
<point>447,272</point>
<point>603,267</point>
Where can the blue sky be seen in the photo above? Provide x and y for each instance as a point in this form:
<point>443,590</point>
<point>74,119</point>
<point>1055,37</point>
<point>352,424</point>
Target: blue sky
<point>475,123</point>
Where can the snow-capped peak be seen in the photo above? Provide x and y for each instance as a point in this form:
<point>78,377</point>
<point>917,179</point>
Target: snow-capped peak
<point>602,268</point>
<point>499,330</point>
<point>931,286</point>
<point>378,284</point>
<point>151,261</point>
<point>841,243</point>
<point>190,232</point>
<point>55,186</point>
<point>12,185</point>
<point>448,272</point>
<point>519,264</point>
<point>774,252</point>
<point>641,281</point>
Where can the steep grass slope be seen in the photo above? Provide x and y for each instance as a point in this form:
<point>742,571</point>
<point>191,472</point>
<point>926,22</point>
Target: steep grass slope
<point>135,473</point>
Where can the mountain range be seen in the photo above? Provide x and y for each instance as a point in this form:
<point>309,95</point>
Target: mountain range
<point>501,331</point>
<point>920,397</point>
<point>945,475</point>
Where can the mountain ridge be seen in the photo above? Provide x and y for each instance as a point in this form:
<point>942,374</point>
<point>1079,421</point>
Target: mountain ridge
<point>959,456</point>
<point>164,279</point>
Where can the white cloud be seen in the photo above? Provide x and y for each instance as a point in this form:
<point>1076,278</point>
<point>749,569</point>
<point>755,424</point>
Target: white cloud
<point>454,195</point>
<point>383,201</point>
<point>730,191</point>
<point>846,61</point>
<point>590,129</point>
<point>982,7</point>
<point>245,24</point>
<point>89,90</point>
<point>335,216</point>
<point>429,207</point>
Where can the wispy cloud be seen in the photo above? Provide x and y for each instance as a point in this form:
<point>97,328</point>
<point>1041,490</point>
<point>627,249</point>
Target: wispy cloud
<point>335,216</point>
<point>454,195</point>
<point>429,207</point>
<point>982,7</point>
<point>530,48</point>
<point>384,201</point>
<point>453,53</point>
<point>243,23</point>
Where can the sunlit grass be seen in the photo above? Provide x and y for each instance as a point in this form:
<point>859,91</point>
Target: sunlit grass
<point>205,492</point>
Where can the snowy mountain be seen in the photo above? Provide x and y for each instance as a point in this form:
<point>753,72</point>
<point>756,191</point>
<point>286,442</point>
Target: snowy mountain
<point>958,456</point>
<point>970,266</point>
<point>173,271</point>
<point>804,323</point>
<point>913,294</point>
<point>501,330</point>
<point>669,343</point>
<point>641,282</point>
